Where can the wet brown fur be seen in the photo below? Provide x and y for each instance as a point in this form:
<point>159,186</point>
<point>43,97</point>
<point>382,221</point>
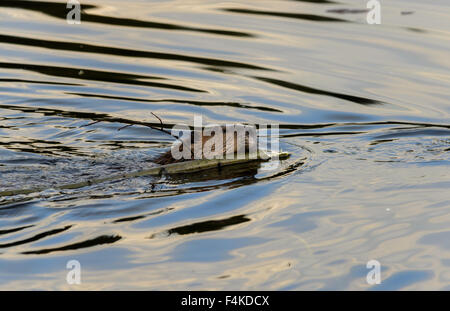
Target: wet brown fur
<point>167,158</point>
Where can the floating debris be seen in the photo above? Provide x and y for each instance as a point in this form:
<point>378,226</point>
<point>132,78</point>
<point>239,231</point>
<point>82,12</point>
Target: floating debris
<point>173,168</point>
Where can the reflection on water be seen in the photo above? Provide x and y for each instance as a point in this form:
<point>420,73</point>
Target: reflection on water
<point>363,109</point>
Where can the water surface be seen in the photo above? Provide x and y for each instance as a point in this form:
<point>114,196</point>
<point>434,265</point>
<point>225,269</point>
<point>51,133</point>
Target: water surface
<point>363,109</point>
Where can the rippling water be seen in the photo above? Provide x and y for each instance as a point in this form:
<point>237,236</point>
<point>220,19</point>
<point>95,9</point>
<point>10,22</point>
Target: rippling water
<point>364,110</point>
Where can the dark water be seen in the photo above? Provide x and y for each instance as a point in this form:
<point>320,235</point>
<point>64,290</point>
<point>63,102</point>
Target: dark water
<point>364,110</point>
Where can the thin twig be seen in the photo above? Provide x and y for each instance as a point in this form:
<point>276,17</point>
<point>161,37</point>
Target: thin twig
<point>141,123</point>
<point>162,130</point>
<point>92,123</point>
<point>158,119</point>
<point>162,126</point>
<point>128,125</point>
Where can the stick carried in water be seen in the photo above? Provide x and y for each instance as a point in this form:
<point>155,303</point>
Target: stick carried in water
<point>173,168</point>
<point>141,123</point>
<point>192,146</point>
<point>169,165</point>
<point>152,127</point>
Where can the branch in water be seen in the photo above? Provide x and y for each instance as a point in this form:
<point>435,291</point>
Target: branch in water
<point>161,129</point>
<point>141,123</point>
<point>121,128</point>
<point>92,123</point>
<point>158,119</point>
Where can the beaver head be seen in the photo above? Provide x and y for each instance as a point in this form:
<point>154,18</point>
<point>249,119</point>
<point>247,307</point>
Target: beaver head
<point>216,142</point>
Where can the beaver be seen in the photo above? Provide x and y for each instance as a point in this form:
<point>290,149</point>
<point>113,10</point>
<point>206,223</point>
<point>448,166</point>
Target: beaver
<point>206,148</point>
